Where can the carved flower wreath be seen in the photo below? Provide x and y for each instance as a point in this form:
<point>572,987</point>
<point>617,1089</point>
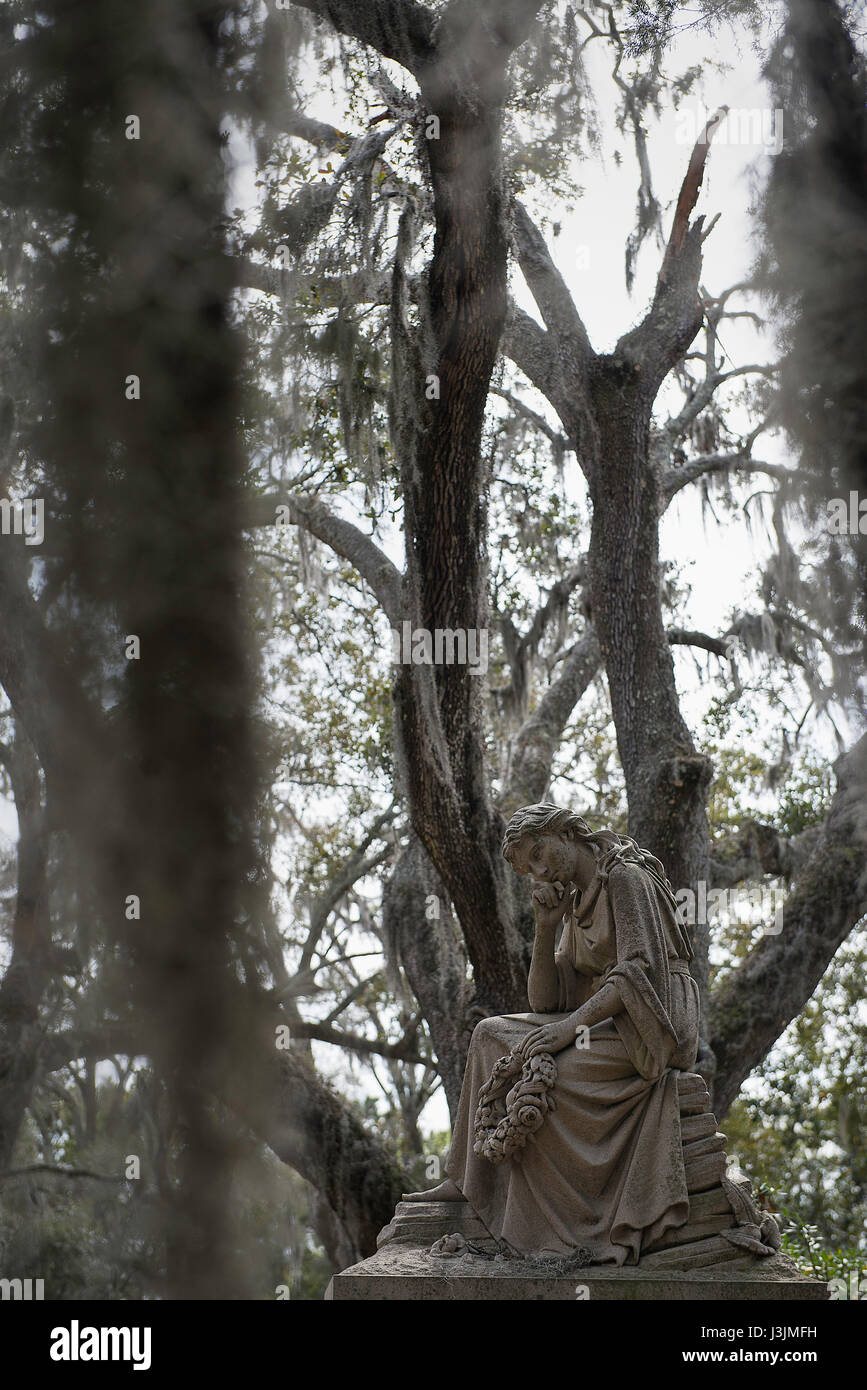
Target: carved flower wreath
<point>506,1119</point>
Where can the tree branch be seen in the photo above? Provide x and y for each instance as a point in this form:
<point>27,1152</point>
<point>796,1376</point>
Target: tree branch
<point>315,132</point>
<point>536,742</point>
<point>324,905</point>
<point>688,196</point>
<point>292,1110</point>
<point>109,1039</point>
<point>679,636</point>
<point>400,1052</point>
<point>398,29</point>
<point>550,291</point>
<point>674,317</point>
<point>328,291</point>
<point>755,850</point>
<point>521,650</point>
<point>355,867</point>
<point>345,539</point>
<point>60,1172</point>
<point>762,995</point>
<point>674,479</point>
<point>520,407</point>
<point>533,351</point>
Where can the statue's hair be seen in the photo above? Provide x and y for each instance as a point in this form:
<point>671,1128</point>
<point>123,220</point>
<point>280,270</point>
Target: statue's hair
<point>544,819</point>
<point>608,847</point>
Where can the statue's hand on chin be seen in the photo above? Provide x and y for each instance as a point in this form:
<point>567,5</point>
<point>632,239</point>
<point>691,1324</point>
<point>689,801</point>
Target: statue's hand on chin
<point>548,904</point>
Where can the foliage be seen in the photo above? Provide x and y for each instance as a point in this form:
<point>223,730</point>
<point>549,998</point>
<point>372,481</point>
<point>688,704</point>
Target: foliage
<point>800,1124</point>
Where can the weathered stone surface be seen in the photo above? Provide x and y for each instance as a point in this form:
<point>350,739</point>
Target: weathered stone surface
<point>694,1127</point>
<point>696,1261</point>
<point>714,1143</point>
<point>696,1246</point>
<point>700,1224</point>
<point>712,1250</point>
<point>422,1223</point>
<point>713,1202</point>
<point>704,1172</point>
<point>402,1273</point>
<point>692,1093</point>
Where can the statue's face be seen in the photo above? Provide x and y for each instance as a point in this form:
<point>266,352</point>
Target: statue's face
<point>547,858</point>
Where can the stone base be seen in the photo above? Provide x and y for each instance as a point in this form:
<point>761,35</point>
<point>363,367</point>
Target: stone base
<point>402,1272</point>
<point>722,1251</point>
<point>701,1260</point>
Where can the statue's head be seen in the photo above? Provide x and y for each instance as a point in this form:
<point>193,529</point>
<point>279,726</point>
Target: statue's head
<point>543,841</point>
<point>550,844</point>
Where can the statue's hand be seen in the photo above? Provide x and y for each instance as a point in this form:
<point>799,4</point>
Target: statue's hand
<point>551,1037</point>
<point>548,904</point>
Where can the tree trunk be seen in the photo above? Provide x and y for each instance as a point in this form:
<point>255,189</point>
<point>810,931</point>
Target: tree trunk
<point>28,972</point>
<point>667,780</point>
<point>440,710</point>
<point>422,934</point>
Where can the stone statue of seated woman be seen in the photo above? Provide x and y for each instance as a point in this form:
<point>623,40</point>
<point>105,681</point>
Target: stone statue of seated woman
<point>575,1142</point>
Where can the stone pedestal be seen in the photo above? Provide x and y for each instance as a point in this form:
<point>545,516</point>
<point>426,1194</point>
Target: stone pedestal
<point>409,1273</point>
<point>723,1251</point>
